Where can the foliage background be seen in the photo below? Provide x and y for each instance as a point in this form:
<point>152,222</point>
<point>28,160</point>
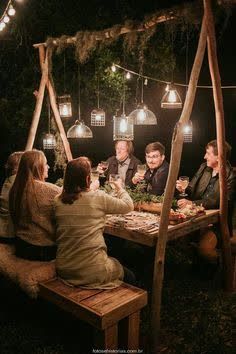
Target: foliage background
<point>20,74</point>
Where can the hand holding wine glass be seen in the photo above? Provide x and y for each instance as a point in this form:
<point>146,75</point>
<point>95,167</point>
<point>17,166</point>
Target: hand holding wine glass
<point>103,166</point>
<point>141,170</point>
<point>182,184</point>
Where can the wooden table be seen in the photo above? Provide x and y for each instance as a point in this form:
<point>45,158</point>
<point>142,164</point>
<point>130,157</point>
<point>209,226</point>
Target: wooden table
<point>174,231</point>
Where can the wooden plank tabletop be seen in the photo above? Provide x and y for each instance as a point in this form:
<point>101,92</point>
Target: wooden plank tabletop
<point>174,231</point>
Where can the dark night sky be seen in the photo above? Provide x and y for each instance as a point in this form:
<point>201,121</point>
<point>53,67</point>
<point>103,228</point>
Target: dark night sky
<point>36,20</point>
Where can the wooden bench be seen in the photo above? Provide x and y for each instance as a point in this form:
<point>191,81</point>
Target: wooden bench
<point>102,309</point>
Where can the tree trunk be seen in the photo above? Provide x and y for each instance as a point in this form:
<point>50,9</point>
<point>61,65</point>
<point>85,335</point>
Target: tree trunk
<point>177,144</point>
<point>220,130</point>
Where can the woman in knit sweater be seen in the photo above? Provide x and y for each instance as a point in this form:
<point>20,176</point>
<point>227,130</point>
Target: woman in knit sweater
<point>80,217</point>
<point>31,208</point>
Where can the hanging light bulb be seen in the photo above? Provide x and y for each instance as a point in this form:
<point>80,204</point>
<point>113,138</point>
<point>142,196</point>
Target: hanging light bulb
<point>6,19</point>
<point>171,99</point>
<point>2,25</point>
<point>79,130</point>
<point>188,132</point>
<point>167,88</point>
<point>128,75</point>
<point>142,115</point>
<point>113,68</point>
<point>11,11</point>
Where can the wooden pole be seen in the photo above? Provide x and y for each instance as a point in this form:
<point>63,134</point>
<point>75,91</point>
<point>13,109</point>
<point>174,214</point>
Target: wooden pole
<point>53,104</point>
<point>220,130</point>
<point>177,144</point>
<point>39,99</point>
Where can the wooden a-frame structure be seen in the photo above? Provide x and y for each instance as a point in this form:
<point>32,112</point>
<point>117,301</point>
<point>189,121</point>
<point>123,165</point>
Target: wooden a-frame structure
<point>206,39</point>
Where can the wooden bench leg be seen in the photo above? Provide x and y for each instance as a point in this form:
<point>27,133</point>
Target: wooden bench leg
<point>107,339</point>
<point>129,332</point>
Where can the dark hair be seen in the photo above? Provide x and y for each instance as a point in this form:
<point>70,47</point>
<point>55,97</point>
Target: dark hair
<point>12,163</point>
<point>75,180</point>
<point>213,144</point>
<point>130,146</point>
<point>31,167</point>
<point>156,146</point>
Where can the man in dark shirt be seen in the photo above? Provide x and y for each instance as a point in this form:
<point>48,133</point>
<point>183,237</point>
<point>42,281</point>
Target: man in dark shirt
<point>156,176</point>
<point>204,190</point>
<point>124,162</point>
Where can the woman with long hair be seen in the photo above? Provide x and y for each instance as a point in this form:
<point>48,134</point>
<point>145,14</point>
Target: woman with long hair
<point>31,208</point>
<point>80,213</point>
<point>6,228</point>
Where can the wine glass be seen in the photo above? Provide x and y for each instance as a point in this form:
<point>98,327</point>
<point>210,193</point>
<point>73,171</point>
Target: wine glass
<point>141,169</point>
<point>104,166</point>
<point>183,181</point>
<point>94,174</point>
<point>113,178</point>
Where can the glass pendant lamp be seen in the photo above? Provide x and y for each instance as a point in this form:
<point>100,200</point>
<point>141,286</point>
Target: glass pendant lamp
<point>123,126</point>
<point>142,115</point>
<point>79,129</point>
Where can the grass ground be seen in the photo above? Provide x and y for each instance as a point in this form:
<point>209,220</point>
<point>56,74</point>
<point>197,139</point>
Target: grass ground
<point>197,317</point>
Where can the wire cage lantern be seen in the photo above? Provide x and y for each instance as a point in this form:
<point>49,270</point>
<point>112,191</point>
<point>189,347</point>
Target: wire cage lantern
<point>142,115</point>
<point>64,103</point>
<point>98,117</point>
<point>123,128</point>
<point>171,99</point>
<point>188,132</point>
<point>49,141</point>
<point>79,130</point>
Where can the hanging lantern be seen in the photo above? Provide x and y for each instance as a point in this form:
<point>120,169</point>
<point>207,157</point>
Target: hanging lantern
<point>98,117</point>
<point>79,130</point>
<point>64,103</point>
<point>123,128</point>
<point>98,114</point>
<point>143,116</point>
<point>171,99</point>
<point>49,141</point>
<point>188,132</point>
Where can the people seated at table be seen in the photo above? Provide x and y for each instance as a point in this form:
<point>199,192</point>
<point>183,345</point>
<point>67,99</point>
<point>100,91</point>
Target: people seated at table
<point>6,227</point>
<point>124,162</point>
<point>158,168</point>
<point>80,213</point>
<point>31,208</point>
<point>204,189</point>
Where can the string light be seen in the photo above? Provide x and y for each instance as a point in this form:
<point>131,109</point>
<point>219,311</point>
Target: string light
<point>9,11</point>
<point>166,82</point>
